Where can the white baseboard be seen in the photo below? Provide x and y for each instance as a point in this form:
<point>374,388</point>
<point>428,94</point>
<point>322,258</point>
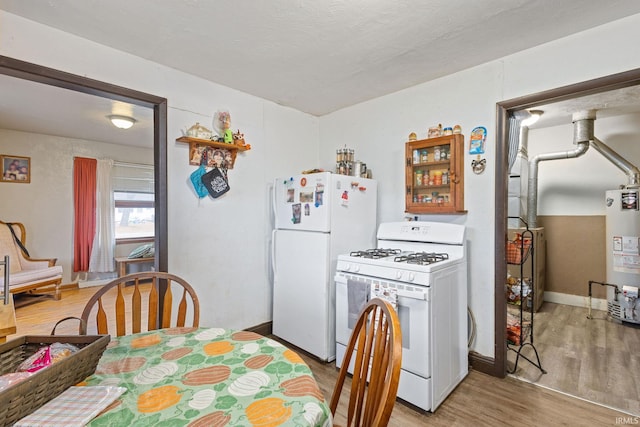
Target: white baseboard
<point>575,300</point>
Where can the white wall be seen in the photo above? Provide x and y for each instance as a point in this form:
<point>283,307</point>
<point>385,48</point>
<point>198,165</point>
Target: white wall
<point>45,206</point>
<point>221,246</point>
<point>577,186</point>
<point>378,129</point>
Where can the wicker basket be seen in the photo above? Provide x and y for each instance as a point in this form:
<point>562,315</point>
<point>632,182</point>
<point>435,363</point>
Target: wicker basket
<point>25,397</point>
<point>517,250</point>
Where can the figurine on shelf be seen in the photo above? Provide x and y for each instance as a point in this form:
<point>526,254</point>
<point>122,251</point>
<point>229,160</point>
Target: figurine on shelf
<point>222,124</point>
<point>238,138</point>
<point>198,131</point>
<point>435,131</point>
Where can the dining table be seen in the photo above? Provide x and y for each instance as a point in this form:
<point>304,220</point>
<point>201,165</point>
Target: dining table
<point>207,377</point>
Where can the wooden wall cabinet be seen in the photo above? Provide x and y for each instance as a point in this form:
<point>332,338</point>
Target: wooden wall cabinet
<point>435,175</point>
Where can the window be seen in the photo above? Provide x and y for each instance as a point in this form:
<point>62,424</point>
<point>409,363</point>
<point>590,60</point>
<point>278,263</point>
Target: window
<point>134,201</point>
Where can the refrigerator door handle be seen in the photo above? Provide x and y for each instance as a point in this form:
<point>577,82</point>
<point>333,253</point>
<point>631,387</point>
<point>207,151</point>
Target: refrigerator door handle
<point>273,200</point>
<point>273,252</point>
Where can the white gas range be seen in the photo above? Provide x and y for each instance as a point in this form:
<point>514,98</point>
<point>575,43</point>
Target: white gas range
<point>421,267</point>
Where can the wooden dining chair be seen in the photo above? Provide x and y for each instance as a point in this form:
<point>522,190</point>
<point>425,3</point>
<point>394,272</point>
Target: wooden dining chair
<point>376,342</point>
<point>137,296</point>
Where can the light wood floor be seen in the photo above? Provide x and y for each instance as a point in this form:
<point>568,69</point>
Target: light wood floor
<point>596,359</point>
<point>480,400</point>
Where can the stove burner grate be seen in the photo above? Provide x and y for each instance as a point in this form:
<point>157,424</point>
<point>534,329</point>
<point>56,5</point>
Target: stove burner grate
<point>375,253</point>
<point>422,258</point>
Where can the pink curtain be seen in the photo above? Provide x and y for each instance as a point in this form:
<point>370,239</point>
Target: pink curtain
<point>84,192</point>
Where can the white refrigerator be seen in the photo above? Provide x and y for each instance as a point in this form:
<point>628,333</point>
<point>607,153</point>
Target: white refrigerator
<point>317,217</point>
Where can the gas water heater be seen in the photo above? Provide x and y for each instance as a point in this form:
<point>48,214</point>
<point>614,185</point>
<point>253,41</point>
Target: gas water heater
<point>623,253</point>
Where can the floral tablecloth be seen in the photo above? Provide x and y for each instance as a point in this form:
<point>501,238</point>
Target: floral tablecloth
<point>208,377</point>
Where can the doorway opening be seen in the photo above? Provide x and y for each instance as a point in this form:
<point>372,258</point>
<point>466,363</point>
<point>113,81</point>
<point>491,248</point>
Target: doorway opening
<point>48,76</point>
<point>505,110</point>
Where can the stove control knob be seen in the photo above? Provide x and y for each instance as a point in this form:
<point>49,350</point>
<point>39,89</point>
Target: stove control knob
<point>412,277</point>
<point>398,274</point>
<point>347,267</point>
<point>356,268</point>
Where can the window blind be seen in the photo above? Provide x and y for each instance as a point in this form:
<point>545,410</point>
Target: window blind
<point>133,178</point>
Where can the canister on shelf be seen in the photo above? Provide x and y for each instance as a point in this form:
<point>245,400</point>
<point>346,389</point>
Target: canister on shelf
<point>425,178</point>
<point>445,177</point>
<point>436,153</point>
<point>416,156</point>
<point>424,156</point>
<point>350,155</point>
<point>418,180</point>
<point>437,178</point>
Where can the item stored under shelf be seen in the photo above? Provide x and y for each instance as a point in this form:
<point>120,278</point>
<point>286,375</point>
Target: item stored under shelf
<point>199,146</point>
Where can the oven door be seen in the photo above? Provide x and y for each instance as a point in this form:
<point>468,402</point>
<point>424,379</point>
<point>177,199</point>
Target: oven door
<point>413,310</point>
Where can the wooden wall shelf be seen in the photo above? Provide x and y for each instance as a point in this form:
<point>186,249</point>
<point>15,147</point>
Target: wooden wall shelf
<point>216,144</point>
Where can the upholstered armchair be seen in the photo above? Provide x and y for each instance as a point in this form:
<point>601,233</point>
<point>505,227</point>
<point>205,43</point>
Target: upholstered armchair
<point>26,274</point>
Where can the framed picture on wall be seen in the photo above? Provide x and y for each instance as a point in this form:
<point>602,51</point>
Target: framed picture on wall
<point>15,169</point>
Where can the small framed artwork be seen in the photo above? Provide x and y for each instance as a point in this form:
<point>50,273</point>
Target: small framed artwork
<point>15,169</point>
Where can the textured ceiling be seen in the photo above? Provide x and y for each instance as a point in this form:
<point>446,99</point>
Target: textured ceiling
<point>36,108</point>
<point>320,56</point>
<point>314,56</point>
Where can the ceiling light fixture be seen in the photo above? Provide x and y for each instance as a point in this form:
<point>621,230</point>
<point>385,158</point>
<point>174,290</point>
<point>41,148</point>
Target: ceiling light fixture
<point>122,122</point>
<point>533,117</point>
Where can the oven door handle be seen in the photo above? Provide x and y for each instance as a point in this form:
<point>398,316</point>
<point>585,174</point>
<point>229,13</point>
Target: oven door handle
<point>419,295</point>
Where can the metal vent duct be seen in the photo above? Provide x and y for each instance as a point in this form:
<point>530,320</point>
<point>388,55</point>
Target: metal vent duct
<point>583,137</point>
